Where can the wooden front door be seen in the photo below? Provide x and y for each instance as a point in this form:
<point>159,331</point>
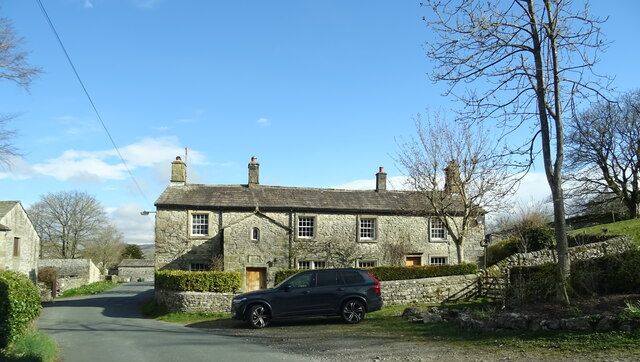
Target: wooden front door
<point>413,261</point>
<point>256,278</point>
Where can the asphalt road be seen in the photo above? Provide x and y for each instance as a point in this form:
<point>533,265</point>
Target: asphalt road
<point>110,327</point>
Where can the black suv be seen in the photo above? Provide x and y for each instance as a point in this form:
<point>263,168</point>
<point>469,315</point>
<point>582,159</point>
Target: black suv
<point>349,293</point>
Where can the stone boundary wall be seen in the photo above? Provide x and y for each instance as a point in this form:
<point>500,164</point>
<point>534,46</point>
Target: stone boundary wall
<point>194,301</point>
<point>612,246</point>
<point>426,290</point>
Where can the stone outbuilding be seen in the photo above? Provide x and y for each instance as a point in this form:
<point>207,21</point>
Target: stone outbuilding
<point>73,273</point>
<point>19,241</point>
<point>137,270</point>
<point>257,230</point>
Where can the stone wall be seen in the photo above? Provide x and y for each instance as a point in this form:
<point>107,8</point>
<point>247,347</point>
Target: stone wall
<point>27,261</point>
<point>426,290</point>
<point>194,301</point>
<point>612,246</point>
<point>414,291</point>
<point>147,274</point>
<point>73,273</point>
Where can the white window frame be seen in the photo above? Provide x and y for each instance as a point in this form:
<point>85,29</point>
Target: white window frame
<point>312,264</point>
<point>364,264</point>
<point>441,230</point>
<point>444,258</point>
<point>252,234</point>
<point>205,267</point>
<point>193,223</point>
<point>307,229</point>
<point>372,228</point>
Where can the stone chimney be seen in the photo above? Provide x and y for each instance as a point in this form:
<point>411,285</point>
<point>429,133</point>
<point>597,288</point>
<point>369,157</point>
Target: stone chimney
<point>254,172</point>
<point>178,172</point>
<point>381,180</point>
<point>452,181</point>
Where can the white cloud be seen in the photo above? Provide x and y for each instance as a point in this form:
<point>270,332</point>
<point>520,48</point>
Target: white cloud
<point>533,190</point>
<point>393,183</point>
<point>16,170</point>
<point>103,165</point>
<point>137,229</point>
<point>264,121</point>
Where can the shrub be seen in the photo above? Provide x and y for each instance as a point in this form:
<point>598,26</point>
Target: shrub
<point>501,250</point>
<point>48,275</point>
<point>618,273</point>
<point>33,346</point>
<point>201,281</point>
<point>281,275</point>
<point>19,305</point>
<point>418,272</point>
<point>531,284</point>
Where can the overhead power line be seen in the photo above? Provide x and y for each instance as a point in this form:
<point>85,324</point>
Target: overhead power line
<point>93,105</point>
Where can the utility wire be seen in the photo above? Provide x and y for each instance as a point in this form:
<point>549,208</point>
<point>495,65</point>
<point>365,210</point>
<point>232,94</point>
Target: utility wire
<point>84,89</point>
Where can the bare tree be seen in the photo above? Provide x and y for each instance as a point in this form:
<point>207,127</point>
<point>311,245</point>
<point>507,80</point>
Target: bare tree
<point>603,152</point>
<point>536,60</point>
<point>476,178</point>
<point>339,253</point>
<point>105,248</point>
<point>69,220</point>
<point>529,224</point>
<point>15,68</point>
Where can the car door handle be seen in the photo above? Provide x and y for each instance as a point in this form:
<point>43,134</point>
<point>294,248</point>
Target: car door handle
<point>341,289</point>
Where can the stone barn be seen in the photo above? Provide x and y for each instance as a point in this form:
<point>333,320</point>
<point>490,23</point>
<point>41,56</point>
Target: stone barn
<point>257,229</point>
<point>19,241</point>
<point>73,273</point>
<point>137,270</point>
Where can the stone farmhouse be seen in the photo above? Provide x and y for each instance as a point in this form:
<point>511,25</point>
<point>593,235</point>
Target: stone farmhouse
<point>256,229</point>
<point>19,241</point>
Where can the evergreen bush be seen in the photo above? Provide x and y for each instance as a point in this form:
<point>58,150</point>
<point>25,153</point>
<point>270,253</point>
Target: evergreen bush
<point>19,305</point>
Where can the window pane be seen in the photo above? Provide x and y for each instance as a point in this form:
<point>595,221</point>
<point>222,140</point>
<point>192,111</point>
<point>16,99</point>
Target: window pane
<point>319,264</point>
<point>304,264</point>
<point>352,277</point>
<point>200,224</point>
<point>437,229</point>
<point>301,281</point>
<point>306,226</point>
<point>438,260</point>
<point>367,228</point>
<point>327,278</point>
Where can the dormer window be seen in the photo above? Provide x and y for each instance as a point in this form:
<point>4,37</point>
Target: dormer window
<point>255,234</point>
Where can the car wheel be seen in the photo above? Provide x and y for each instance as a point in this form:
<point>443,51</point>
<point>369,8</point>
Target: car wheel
<point>259,316</point>
<point>353,311</point>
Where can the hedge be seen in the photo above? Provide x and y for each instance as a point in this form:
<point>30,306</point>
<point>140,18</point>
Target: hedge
<point>201,281</point>
<point>418,272</point>
<point>281,275</point>
<point>609,274</point>
<point>19,305</point>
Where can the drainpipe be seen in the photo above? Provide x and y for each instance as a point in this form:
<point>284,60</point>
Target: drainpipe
<point>290,238</point>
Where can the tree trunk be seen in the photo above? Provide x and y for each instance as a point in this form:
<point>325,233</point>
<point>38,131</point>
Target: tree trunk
<point>460,253</point>
<point>562,247</point>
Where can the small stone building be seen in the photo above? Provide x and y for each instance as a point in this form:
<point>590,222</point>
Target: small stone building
<point>137,269</point>
<point>257,229</point>
<point>73,273</point>
<point>19,241</point>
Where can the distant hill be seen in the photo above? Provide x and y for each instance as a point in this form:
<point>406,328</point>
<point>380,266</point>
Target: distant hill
<point>149,250</point>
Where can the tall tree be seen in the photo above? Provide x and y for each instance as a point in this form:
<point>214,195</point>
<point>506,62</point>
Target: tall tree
<point>15,68</point>
<point>476,178</point>
<point>603,152</point>
<point>530,62</point>
<point>69,220</point>
<point>132,251</point>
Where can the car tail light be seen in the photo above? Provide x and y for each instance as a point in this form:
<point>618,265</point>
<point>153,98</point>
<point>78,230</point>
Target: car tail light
<point>376,284</point>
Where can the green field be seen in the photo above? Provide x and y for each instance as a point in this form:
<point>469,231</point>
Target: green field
<point>627,227</point>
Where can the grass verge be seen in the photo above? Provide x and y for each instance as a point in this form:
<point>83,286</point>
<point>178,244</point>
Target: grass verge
<point>89,289</point>
<point>152,310</point>
<point>626,227</point>
<point>32,346</point>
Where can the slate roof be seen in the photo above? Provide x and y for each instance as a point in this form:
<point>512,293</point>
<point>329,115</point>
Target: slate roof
<point>6,206</point>
<point>279,198</point>
<point>140,263</point>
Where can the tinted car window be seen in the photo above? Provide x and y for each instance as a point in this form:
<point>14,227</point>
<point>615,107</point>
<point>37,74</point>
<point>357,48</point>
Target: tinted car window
<point>352,277</point>
<point>327,278</point>
<point>301,281</point>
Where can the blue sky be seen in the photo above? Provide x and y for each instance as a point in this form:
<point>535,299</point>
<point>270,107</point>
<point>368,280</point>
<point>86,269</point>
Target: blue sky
<point>318,91</point>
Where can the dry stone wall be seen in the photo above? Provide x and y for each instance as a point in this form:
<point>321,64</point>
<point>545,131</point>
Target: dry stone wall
<point>426,290</point>
<point>612,246</point>
<point>194,301</point>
